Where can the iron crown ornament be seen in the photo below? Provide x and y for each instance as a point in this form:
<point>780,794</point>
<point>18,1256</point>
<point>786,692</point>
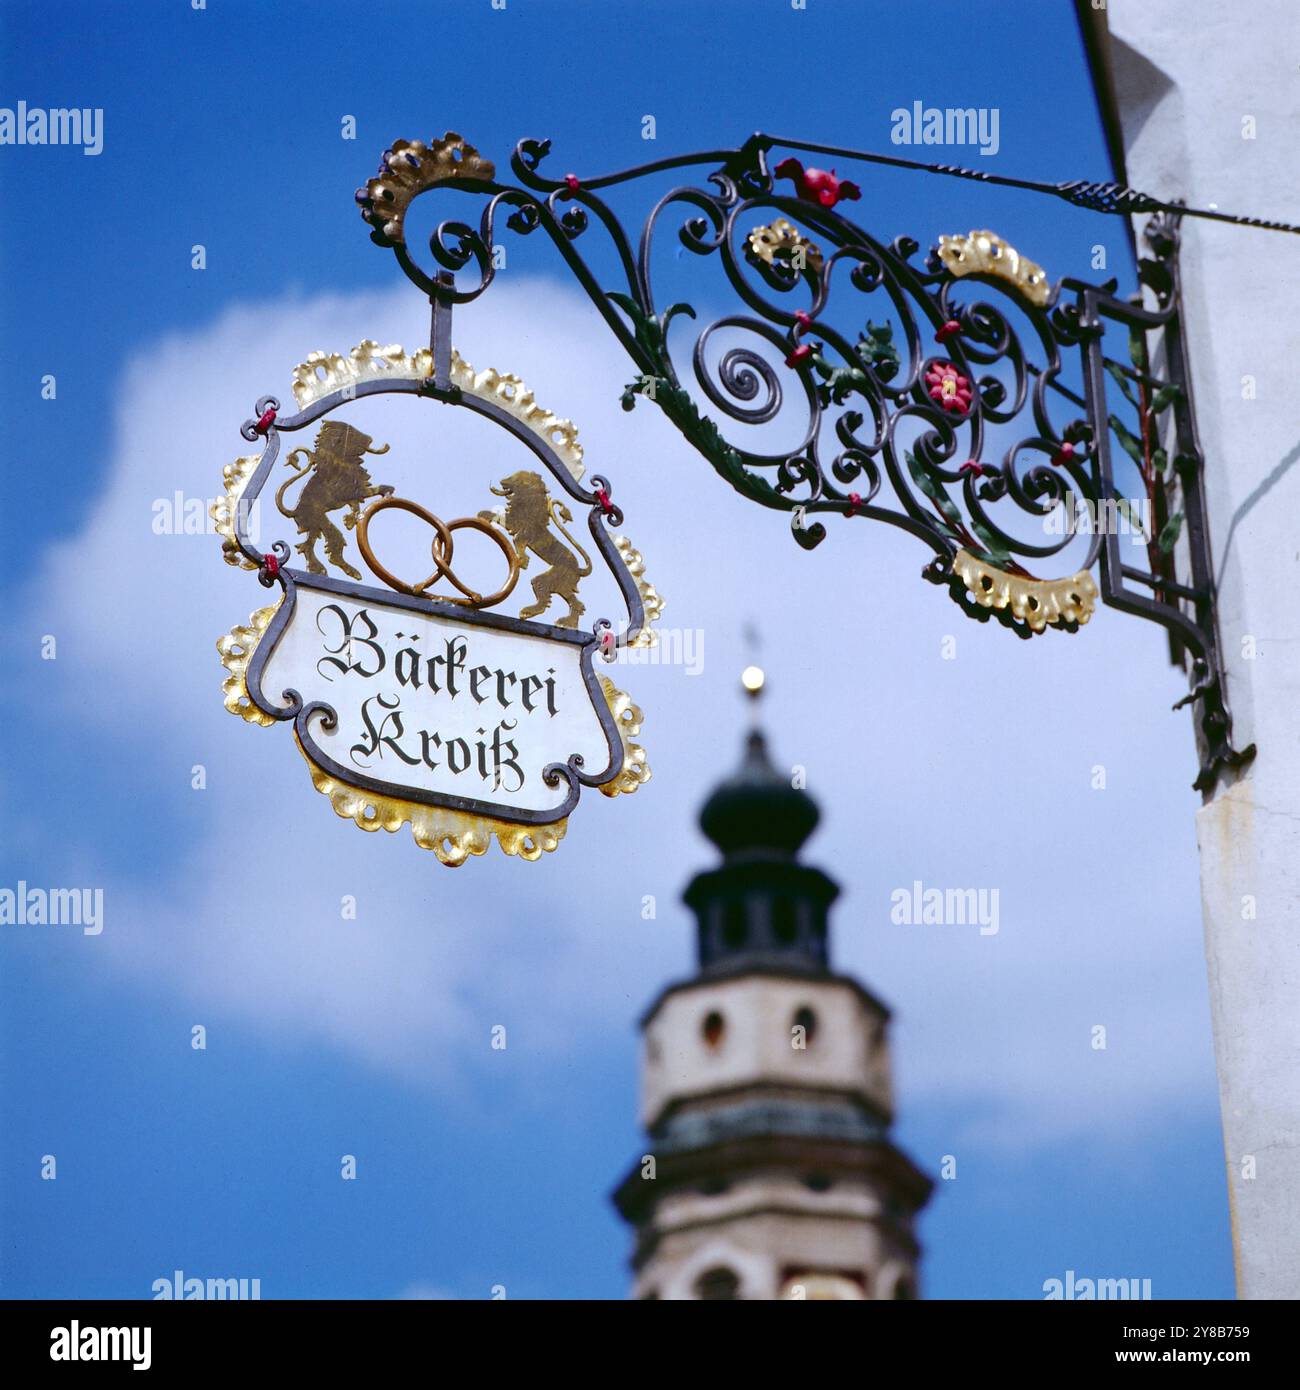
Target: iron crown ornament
<point>1026,431</point>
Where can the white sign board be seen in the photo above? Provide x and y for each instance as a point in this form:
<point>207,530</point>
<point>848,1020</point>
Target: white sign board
<point>428,703</point>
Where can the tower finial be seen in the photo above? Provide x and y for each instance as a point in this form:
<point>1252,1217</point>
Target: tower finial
<point>753,678</point>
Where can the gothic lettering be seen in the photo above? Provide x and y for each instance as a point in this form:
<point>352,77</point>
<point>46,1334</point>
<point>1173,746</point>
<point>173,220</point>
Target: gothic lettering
<point>411,688</point>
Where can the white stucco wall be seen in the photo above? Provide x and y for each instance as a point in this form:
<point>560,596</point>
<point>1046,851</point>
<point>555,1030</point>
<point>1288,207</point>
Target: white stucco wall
<point>769,1230</point>
<point>848,1050</point>
<point>1189,78</point>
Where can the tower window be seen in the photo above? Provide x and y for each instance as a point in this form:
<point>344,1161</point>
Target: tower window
<point>718,1283</point>
<point>817,1182</point>
<point>807,1020</point>
<point>784,923</point>
<point>713,1028</point>
<point>734,929</point>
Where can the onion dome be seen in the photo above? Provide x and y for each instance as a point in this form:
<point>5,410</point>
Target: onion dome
<point>757,811</point>
<point>761,909</point>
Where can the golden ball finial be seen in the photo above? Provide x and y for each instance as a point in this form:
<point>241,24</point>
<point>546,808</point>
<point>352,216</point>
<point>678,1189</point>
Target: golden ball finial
<point>753,680</point>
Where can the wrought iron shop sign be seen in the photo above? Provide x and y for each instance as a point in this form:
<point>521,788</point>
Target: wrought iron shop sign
<point>463,699</point>
<point>929,394</point>
<point>459,693</point>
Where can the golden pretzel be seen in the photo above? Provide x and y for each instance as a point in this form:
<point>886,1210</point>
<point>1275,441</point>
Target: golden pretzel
<point>441,549</point>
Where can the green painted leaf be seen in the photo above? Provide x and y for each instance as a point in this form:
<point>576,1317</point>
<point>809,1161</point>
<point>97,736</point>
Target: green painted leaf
<point>1125,506</point>
<point>1137,348</point>
<point>649,334</point>
<point>1117,372</point>
<point>934,490</point>
<point>1165,397</point>
<point>1127,439</point>
<point>1170,532</point>
<point>992,549</point>
<point>842,381</point>
<point>628,305</point>
<point>877,345</point>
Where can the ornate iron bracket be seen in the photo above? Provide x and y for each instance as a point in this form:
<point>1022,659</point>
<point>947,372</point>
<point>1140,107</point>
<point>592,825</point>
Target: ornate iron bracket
<point>940,418</point>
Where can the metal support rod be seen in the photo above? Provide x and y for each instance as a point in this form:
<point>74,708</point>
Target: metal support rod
<point>440,331</point>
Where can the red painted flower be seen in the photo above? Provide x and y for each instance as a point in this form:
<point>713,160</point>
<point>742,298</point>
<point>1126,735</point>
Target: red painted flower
<point>818,185</point>
<point>942,335</point>
<point>1064,454</point>
<point>948,387</point>
<point>572,182</point>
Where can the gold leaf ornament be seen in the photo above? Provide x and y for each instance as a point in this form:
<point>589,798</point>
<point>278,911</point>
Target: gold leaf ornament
<point>636,770</point>
<point>453,836</point>
<point>410,167</point>
<point>323,373</point>
<point>236,649</point>
<point>224,510</point>
<point>779,240</point>
<point>1040,603</point>
<point>651,600</point>
<point>986,253</point>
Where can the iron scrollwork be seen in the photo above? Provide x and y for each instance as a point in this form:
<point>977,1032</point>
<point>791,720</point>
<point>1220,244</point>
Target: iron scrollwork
<point>932,394</point>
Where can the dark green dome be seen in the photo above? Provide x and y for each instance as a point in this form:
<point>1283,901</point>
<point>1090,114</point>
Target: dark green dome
<point>757,810</point>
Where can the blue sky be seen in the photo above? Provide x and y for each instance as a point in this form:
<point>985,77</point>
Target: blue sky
<point>329,1037</point>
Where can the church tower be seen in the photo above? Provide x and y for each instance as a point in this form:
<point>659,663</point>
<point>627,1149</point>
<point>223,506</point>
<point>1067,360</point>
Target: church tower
<point>769,1172</point>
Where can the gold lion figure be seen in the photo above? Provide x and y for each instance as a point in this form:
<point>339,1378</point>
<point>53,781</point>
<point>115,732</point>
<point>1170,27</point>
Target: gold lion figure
<point>339,479</point>
<point>528,512</point>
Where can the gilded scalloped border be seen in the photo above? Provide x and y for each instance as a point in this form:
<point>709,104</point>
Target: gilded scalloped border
<point>223,510</point>
<point>651,599</point>
<point>986,253</point>
<point>409,168</point>
<point>452,835</point>
<point>635,771</point>
<point>236,649</point>
<point>1039,602</point>
<point>325,372</point>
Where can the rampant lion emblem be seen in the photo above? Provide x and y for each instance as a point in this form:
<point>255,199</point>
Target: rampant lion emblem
<point>527,515</point>
<point>338,478</point>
